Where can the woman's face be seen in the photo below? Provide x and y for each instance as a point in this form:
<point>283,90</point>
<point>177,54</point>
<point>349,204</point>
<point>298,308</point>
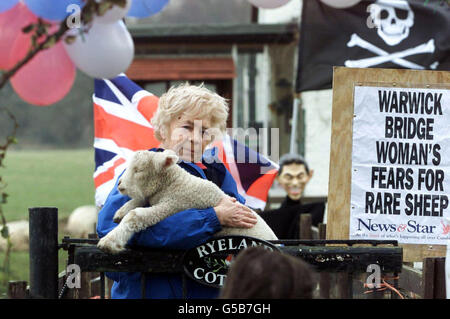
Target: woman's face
<point>188,137</point>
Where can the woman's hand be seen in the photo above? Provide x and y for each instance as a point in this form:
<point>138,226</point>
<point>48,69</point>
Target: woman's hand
<point>231,213</point>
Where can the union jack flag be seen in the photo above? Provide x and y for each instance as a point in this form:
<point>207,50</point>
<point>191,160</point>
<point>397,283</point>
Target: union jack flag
<point>122,114</point>
<point>254,174</point>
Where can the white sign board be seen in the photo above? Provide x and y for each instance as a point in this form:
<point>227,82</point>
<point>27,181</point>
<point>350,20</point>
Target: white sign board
<point>400,187</point>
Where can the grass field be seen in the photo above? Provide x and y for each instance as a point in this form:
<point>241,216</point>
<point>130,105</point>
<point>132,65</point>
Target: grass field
<point>61,179</point>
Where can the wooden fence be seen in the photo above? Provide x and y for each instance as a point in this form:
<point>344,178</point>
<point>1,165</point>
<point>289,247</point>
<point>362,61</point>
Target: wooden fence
<point>425,283</point>
<point>341,265</point>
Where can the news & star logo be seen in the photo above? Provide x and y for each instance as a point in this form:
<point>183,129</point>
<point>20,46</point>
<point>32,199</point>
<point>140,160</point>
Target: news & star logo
<point>411,226</point>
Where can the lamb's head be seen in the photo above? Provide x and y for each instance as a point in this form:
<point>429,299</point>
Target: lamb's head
<point>143,175</point>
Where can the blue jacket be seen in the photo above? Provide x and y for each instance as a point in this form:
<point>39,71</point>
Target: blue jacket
<point>183,230</point>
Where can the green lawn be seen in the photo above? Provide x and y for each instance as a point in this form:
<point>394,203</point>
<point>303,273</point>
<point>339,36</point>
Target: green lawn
<point>61,179</point>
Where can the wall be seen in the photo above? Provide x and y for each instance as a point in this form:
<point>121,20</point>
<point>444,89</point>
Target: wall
<point>314,129</point>
<point>317,106</point>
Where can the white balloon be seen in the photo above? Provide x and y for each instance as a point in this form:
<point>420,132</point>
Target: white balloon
<point>115,14</point>
<point>340,4</point>
<point>104,52</point>
<point>268,4</point>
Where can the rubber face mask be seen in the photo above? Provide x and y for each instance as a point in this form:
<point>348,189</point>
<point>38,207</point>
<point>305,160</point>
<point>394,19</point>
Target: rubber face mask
<point>293,179</point>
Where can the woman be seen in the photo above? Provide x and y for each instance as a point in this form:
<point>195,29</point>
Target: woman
<point>188,118</point>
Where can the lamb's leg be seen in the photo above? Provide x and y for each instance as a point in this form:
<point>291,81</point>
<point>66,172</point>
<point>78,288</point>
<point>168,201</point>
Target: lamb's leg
<point>126,208</point>
<point>144,217</point>
<point>135,221</point>
<point>114,242</point>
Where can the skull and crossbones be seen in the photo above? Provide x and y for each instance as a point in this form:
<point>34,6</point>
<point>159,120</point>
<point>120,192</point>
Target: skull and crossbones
<point>393,20</point>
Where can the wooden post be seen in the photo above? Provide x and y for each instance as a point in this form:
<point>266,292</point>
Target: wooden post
<point>305,226</point>
<point>439,278</point>
<point>17,290</point>
<point>43,252</point>
<point>434,278</point>
<point>94,284</point>
<point>85,287</point>
<point>325,278</point>
<point>322,231</point>
<point>102,285</point>
<point>428,278</point>
<point>109,283</point>
<point>343,288</point>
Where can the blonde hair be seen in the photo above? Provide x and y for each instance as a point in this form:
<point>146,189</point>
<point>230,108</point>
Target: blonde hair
<point>191,100</point>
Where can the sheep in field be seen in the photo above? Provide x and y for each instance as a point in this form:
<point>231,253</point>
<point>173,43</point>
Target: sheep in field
<point>19,235</point>
<point>82,221</point>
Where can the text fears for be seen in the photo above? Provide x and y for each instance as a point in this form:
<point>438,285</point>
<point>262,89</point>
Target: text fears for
<point>416,204</point>
<point>403,178</point>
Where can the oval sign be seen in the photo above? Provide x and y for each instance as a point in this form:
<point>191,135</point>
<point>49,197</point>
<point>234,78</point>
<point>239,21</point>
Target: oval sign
<point>208,263</point>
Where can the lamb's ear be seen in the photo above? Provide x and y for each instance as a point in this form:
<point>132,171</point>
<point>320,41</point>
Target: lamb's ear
<point>170,160</point>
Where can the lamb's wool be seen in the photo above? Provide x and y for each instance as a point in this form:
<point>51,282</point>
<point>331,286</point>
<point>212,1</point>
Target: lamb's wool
<point>82,221</point>
<point>19,236</point>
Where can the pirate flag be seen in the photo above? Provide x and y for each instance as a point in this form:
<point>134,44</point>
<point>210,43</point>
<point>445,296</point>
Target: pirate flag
<point>397,34</point>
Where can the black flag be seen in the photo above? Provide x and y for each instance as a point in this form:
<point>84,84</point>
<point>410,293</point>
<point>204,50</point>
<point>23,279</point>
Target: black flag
<point>397,34</point>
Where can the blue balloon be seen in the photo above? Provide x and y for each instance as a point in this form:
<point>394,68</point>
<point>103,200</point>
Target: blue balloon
<point>52,10</point>
<point>5,5</point>
<point>146,8</point>
<point>138,9</point>
<point>156,5</point>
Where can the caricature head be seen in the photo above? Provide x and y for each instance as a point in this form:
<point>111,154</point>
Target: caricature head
<point>293,175</point>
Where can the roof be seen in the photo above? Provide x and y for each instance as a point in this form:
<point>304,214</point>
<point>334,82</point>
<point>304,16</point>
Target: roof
<point>163,69</point>
<point>215,33</point>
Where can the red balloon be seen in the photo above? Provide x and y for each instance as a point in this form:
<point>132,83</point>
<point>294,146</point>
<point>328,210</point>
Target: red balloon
<point>47,78</point>
<point>11,24</point>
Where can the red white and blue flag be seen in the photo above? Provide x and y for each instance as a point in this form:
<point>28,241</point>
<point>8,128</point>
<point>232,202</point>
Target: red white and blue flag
<point>254,174</point>
<point>122,114</point>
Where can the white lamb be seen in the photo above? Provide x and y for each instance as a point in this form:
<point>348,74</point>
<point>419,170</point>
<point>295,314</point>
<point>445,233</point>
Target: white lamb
<point>154,178</point>
<point>82,221</point>
<point>19,236</point>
